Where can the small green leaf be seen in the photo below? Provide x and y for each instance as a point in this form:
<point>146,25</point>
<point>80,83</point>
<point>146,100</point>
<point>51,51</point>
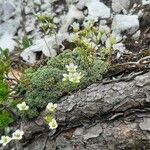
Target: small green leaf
<point>5,119</point>
<point>49,118</point>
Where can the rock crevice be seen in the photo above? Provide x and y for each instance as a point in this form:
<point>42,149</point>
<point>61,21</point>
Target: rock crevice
<point>100,117</point>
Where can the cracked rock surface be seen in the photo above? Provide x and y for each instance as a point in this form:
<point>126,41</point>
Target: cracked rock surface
<point>113,116</point>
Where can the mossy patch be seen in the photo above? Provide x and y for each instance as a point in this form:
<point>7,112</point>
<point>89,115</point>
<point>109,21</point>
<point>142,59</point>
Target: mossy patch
<point>5,119</point>
<point>45,84</point>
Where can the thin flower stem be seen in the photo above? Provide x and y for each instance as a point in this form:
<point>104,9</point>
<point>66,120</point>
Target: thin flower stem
<point>47,46</point>
<point>75,85</point>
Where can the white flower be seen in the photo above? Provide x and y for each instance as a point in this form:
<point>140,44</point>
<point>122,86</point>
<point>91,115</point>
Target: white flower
<point>104,29</point>
<point>17,135</point>
<point>71,68</point>
<point>75,26</point>
<point>94,46</point>
<point>51,107</point>
<point>53,124</point>
<point>89,21</point>
<point>92,19</point>
<point>22,106</point>
<point>86,40</point>
<point>74,37</point>
<point>87,24</point>
<point>5,140</point>
<point>65,77</point>
<point>75,77</point>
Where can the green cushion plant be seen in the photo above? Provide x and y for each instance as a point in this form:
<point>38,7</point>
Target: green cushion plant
<point>45,84</point>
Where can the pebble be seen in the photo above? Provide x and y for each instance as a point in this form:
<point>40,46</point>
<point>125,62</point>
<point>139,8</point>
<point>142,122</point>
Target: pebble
<point>64,15</point>
<point>97,9</point>
<point>128,23</point>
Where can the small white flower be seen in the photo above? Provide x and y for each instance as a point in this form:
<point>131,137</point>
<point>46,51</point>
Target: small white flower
<point>75,26</point>
<point>22,106</point>
<point>89,21</point>
<point>53,124</point>
<point>71,68</point>
<point>74,37</point>
<point>17,135</point>
<point>5,140</point>
<point>87,24</point>
<point>51,107</point>
<point>104,29</point>
<point>75,77</point>
<point>95,19</point>
<point>65,77</point>
<point>86,40</point>
<point>94,46</point>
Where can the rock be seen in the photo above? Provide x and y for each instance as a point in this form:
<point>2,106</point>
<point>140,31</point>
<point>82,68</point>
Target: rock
<point>30,23</point>
<point>119,5</point>
<point>145,125</point>
<point>45,7</point>
<point>147,92</point>
<point>119,46</point>
<point>120,116</point>
<point>38,2</point>
<point>80,5</point>
<point>117,36</point>
<point>145,2</point>
<point>97,9</point>
<point>1,12</point>
<point>11,27</point>
<point>8,10</point>
<point>7,42</point>
<point>28,10</point>
<point>28,56</point>
<point>51,145</point>
<point>136,36</point>
<point>46,46</point>
<point>56,20</point>
<point>92,132</point>
<point>145,19</point>
<point>78,132</point>
<point>72,14</point>
<point>38,144</point>
<point>63,144</point>
<point>128,23</point>
<point>142,80</point>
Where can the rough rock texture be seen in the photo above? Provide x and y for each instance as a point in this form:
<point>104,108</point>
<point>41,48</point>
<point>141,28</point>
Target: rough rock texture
<point>29,54</point>
<point>145,2</point>
<point>7,42</point>
<point>120,5</point>
<point>18,19</point>
<point>129,23</point>
<point>10,18</point>
<point>112,116</point>
<point>97,9</point>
